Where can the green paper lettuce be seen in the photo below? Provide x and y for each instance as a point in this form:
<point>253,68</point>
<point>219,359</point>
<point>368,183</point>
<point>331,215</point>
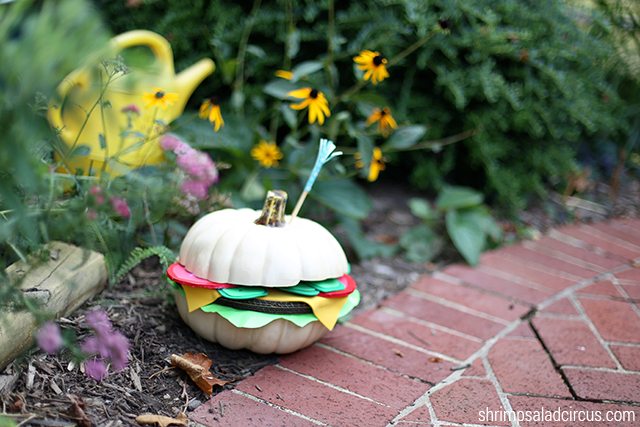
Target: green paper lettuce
<point>255,319</point>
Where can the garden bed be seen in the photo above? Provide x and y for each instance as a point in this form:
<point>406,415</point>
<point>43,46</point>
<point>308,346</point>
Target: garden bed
<point>48,388</point>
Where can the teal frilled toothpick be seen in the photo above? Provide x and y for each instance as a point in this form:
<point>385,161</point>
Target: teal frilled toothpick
<point>325,154</point>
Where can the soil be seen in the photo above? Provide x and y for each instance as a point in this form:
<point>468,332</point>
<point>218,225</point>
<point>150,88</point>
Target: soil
<point>51,391</point>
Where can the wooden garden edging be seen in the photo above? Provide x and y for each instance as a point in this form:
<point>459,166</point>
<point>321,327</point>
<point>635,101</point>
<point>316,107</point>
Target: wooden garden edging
<point>71,276</point>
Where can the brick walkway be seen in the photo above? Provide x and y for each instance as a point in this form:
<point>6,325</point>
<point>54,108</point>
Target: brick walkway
<point>552,323</point>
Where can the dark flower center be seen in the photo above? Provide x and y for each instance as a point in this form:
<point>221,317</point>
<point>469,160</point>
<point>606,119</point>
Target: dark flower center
<point>213,100</point>
<point>444,24</point>
<point>159,94</point>
<point>384,112</point>
<point>313,94</point>
<point>377,60</point>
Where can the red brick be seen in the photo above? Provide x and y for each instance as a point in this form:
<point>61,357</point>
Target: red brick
<point>632,228</point>
<point>522,366</point>
<point>607,244</point>
<point>418,416</point>
<point>314,400</point>
<point>582,255</point>
<point>605,385</point>
<point>633,291</point>
<point>355,375</point>
<point>548,262</point>
<point>476,369</point>
<point>630,276</point>
<point>463,400</point>
<point>571,342</point>
<point>615,320</point>
<point>604,288</point>
<point>384,353</point>
<point>419,335</point>
<point>443,315</point>
<point>472,298</point>
<point>563,306</point>
<point>570,408</point>
<point>518,268</point>
<point>497,284</point>
<point>230,409</point>
<point>602,228</point>
<point>523,330</point>
<point>629,357</point>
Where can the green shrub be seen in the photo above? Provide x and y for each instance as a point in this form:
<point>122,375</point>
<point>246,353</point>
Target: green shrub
<point>530,77</point>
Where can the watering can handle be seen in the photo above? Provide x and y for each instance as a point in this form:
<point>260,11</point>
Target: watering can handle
<point>158,45</point>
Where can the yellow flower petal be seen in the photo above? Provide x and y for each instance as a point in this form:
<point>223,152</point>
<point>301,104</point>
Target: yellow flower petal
<point>284,74</point>
<point>300,93</point>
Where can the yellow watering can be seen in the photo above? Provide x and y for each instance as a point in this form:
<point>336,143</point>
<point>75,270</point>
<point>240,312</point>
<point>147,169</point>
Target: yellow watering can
<point>102,118</point>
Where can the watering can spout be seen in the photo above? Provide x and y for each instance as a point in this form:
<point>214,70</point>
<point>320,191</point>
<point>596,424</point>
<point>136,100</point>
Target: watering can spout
<point>189,79</point>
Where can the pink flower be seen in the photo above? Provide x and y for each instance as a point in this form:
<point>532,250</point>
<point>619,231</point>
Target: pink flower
<point>49,338</point>
<point>95,369</point>
<point>171,142</point>
<point>119,351</point>
<point>121,207</point>
<point>92,215</point>
<point>197,189</point>
<point>107,344</point>
<point>131,108</point>
<point>99,321</point>
<point>198,165</point>
<point>96,192</point>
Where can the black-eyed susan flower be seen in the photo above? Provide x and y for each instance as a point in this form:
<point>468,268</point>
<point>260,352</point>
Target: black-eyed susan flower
<point>266,153</point>
<point>284,74</point>
<point>373,64</point>
<point>376,165</point>
<point>385,120</point>
<point>159,98</point>
<point>210,110</point>
<point>314,100</point>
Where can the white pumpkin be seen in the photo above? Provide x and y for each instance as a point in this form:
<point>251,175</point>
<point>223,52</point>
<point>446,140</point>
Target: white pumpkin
<point>279,336</point>
<point>227,246</point>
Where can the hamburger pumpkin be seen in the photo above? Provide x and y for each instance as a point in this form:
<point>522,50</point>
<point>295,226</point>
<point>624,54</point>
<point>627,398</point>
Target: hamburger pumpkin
<point>263,280</point>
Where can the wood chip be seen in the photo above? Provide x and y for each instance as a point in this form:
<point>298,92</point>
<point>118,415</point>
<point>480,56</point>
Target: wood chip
<point>397,352</point>
<point>135,378</point>
<point>55,387</point>
<point>31,376</point>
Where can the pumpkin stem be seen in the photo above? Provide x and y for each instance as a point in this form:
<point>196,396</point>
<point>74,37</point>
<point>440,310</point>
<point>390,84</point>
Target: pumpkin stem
<point>273,210</point>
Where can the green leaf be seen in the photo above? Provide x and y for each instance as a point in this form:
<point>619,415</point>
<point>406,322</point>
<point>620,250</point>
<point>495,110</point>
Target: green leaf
<point>365,148</point>
<point>405,137</point>
<point>343,196</point>
<point>466,229</point>
<point>422,209</point>
<point>102,141</point>
<point>252,189</point>
<point>458,197</point>
<point>80,150</point>
<point>421,244</point>
<point>305,68</point>
<point>279,88</point>
<point>289,115</point>
<point>293,43</point>
<point>365,248</point>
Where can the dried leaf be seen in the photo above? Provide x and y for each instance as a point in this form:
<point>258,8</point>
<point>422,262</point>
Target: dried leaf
<point>161,420</point>
<point>76,412</point>
<point>435,359</point>
<point>197,367</point>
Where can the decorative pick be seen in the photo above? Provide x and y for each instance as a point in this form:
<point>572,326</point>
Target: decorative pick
<point>325,154</point>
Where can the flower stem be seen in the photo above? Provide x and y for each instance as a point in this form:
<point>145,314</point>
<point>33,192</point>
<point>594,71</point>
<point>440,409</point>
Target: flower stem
<point>242,49</point>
